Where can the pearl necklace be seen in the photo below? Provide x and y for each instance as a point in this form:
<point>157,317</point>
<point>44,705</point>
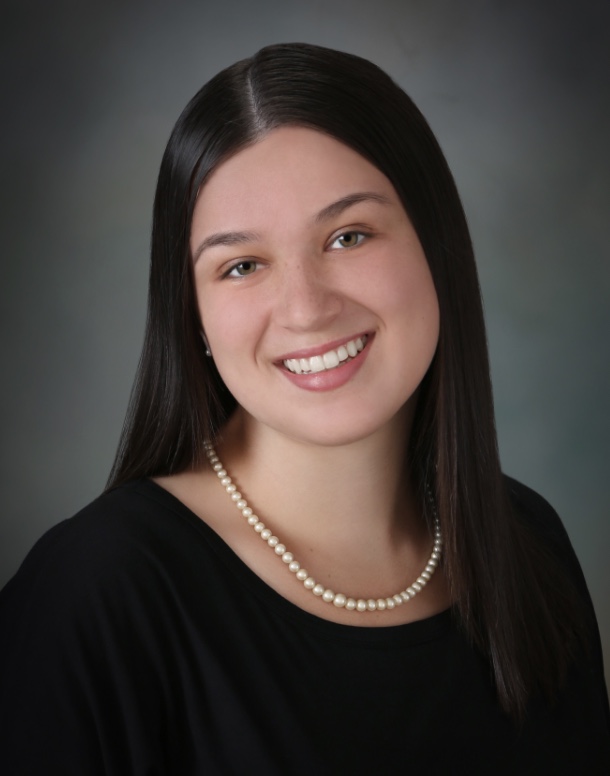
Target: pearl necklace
<point>328,596</point>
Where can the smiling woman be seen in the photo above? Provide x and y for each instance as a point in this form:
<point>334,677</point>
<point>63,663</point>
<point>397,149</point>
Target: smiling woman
<point>307,559</point>
<point>326,287</point>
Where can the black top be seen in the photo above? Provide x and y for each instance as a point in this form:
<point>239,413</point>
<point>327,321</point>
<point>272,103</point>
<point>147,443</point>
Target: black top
<point>134,641</point>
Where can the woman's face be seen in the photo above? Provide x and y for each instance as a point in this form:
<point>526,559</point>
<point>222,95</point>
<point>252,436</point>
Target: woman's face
<point>314,292</point>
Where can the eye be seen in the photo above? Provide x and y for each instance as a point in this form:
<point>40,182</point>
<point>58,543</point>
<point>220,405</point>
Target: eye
<point>242,269</point>
<point>348,240</point>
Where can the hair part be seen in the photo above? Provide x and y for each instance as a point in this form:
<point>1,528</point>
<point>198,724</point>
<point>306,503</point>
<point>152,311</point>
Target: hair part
<point>491,562</point>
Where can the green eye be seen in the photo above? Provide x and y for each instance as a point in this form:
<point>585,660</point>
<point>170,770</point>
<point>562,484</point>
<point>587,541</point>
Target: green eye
<point>243,268</point>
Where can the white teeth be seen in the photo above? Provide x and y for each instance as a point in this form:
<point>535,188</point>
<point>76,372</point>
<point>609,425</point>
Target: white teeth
<point>316,364</point>
<point>329,360</point>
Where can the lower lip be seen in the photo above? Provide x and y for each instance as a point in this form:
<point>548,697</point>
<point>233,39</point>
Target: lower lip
<point>329,379</point>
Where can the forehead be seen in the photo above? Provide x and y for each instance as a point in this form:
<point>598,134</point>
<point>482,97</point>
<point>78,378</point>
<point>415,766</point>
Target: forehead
<point>291,171</point>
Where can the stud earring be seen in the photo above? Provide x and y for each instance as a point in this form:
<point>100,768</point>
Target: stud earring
<point>208,352</point>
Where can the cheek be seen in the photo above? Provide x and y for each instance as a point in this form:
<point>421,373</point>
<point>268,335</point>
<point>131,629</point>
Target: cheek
<point>419,300</point>
<point>403,289</point>
<point>231,323</point>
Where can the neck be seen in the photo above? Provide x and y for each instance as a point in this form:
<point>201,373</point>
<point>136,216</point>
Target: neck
<point>356,498</point>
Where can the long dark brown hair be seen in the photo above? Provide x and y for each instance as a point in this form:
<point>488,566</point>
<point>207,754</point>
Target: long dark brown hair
<point>494,567</point>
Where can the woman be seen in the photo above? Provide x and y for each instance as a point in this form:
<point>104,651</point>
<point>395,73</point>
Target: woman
<point>314,375</point>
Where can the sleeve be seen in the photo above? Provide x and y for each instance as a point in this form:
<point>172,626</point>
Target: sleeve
<point>80,691</point>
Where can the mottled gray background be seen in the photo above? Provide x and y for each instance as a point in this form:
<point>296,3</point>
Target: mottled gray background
<point>518,94</point>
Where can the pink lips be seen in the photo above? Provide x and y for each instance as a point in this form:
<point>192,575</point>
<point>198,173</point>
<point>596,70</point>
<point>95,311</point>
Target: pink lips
<point>330,379</point>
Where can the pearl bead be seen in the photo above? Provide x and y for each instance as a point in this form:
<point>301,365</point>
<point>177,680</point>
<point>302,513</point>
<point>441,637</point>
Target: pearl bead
<point>327,595</point>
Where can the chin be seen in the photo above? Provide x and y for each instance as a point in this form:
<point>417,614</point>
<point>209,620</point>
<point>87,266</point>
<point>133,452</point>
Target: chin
<point>338,431</point>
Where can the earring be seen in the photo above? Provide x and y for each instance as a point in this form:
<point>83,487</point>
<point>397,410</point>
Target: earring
<point>208,352</point>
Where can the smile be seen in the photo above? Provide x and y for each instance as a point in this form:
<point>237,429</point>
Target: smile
<point>326,361</point>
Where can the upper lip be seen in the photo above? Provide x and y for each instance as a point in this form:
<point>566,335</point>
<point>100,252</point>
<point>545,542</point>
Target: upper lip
<point>318,350</point>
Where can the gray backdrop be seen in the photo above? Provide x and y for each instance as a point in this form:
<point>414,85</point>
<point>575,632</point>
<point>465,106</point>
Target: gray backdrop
<point>518,94</point>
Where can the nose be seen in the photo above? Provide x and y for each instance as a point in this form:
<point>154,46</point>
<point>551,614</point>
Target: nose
<point>306,298</point>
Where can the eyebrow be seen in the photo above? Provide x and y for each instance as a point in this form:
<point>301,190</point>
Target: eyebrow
<point>336,208</point>
<point>225,238</point>
<point>328,212</point>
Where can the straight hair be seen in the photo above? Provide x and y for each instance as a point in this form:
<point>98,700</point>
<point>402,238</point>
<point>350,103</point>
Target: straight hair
<point>514,603</point>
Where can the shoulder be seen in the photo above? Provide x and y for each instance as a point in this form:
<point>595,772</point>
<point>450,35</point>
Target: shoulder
<point>545,544</point>
<point>86,628</point>
<point>123,538</point>
<point>542,522</point>
<point>114,580</point>
<point>548,545</point>
<point>530,504</point>
<point>134,513</point>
